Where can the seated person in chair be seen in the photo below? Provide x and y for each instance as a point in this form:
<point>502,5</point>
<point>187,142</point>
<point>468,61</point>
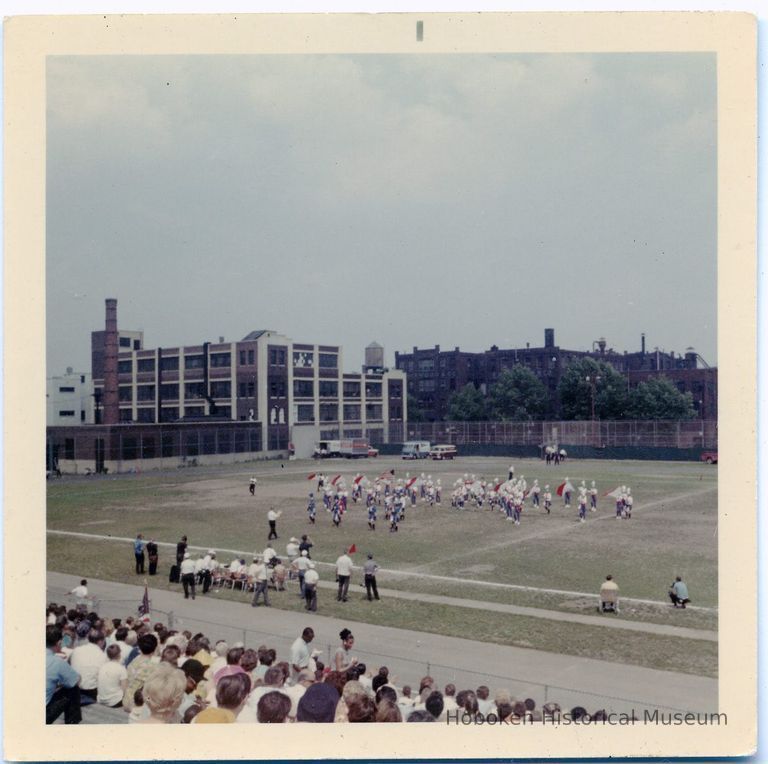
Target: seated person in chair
<point>609,596</point>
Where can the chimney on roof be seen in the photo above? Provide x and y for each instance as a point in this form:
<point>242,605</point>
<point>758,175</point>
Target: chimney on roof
<point>642,343</point>
<point>111,404</point>
<point>549,338</point>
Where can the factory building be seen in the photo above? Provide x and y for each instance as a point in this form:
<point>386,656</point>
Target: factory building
<point>434,375</point>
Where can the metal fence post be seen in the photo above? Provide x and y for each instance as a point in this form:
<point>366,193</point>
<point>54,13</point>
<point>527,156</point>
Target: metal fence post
<point>329,655</point>
<point>546,693</point>
<point>170,620</point>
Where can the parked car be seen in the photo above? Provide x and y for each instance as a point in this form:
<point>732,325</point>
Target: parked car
<point>710,457</point>
<point>443,451</point>
<point>372,452</point>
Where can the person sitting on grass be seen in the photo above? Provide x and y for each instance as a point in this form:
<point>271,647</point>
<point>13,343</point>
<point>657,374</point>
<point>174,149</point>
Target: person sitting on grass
<point>678,593</point>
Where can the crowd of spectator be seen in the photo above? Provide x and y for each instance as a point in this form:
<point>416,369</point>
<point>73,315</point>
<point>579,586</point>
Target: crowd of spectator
<point>162,676</point>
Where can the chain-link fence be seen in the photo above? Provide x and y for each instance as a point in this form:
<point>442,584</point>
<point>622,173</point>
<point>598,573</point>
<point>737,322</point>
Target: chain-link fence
<point>698,433</point>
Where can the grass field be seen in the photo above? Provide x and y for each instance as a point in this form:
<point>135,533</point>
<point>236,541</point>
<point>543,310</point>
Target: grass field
<point>672,532</point>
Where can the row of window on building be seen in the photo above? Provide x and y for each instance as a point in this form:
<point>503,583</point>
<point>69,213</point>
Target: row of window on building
<point>302,388</point>
<point>277,357</point>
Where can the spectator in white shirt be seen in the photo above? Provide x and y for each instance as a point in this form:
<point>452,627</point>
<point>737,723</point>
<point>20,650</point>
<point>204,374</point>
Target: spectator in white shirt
<point>292,549</point>
<point>301,566</point>
<point>87,660</point>
<point>311,577</point>
<point>81,595</point>
<point>484,703</point>
<point>343,574</point>
<point>188,576</point>
<point>301,657</point>
<point>112,678</point>
<point>221,648</point>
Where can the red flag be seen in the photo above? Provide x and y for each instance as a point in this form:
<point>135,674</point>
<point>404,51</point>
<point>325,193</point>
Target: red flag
<point>410,482</point>
<point>311,476</point>
<point>144,606</point>
<point>333,482</point>
<point>358,479</point>
<point>352,549</point>
<point>383,476</point>
<point>497,486</point>
<point>564,487</point>
<point>615,493</point>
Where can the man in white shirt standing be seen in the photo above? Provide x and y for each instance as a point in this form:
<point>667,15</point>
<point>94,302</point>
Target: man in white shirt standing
<point>260,584</point>
<point>87,659</point>
<point>301,565</point>
<point>188,576</point>
<point>311,577</point>
<point>343,574</point>
<point>272,519</point>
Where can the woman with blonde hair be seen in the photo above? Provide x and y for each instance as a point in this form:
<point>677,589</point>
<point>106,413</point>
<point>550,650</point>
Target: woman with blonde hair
<point>350,690</point>
<point>163,693</point>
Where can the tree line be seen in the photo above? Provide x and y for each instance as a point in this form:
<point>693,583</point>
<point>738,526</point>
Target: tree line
<point>519,396</point>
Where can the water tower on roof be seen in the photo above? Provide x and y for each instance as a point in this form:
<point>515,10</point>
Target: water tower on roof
<point>374,358</point>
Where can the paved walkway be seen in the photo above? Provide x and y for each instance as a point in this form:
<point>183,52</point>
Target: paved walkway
<point>603,621</point>
<point>543,676</point>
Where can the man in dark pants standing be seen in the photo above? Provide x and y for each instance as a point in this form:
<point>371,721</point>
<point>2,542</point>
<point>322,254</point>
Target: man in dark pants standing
<point>272,519</point>
<point>138,551</point>
<point>369,570</point>
<point>343,574</point>
<point>311,578</point>
<point>181,549</point>
<point>152,555</point>
<point>188,576</point>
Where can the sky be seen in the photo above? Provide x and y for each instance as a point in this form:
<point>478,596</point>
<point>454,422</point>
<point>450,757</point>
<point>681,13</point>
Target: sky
<point>460,200</point>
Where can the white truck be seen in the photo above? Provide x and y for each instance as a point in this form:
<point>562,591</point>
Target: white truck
<point>354,448</point>
<point>350,448</point>
<point>324,449</point>
<point>416,449</point>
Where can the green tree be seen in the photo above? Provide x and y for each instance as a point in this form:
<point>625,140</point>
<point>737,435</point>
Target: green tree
<point>577,384</point>
<point>658,398</point>
<point>415,412</point>
<point>467,405</point>
<point>518,395</point>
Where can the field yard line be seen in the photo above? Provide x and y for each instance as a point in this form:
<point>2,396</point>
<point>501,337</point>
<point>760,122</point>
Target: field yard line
<point>404,573</point>
<point>554,531</point>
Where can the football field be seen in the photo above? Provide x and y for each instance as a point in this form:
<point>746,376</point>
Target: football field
<point>548,562</point>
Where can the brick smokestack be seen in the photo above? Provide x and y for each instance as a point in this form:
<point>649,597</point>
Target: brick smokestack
<point>111,405</point>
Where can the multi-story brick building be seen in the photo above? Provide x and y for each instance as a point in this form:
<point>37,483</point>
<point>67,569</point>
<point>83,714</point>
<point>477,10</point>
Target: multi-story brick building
<point>292,393</point>
<point>435,374</point>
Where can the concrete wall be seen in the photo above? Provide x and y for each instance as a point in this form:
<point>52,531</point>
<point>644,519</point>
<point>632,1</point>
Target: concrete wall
<point>304,438</point>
